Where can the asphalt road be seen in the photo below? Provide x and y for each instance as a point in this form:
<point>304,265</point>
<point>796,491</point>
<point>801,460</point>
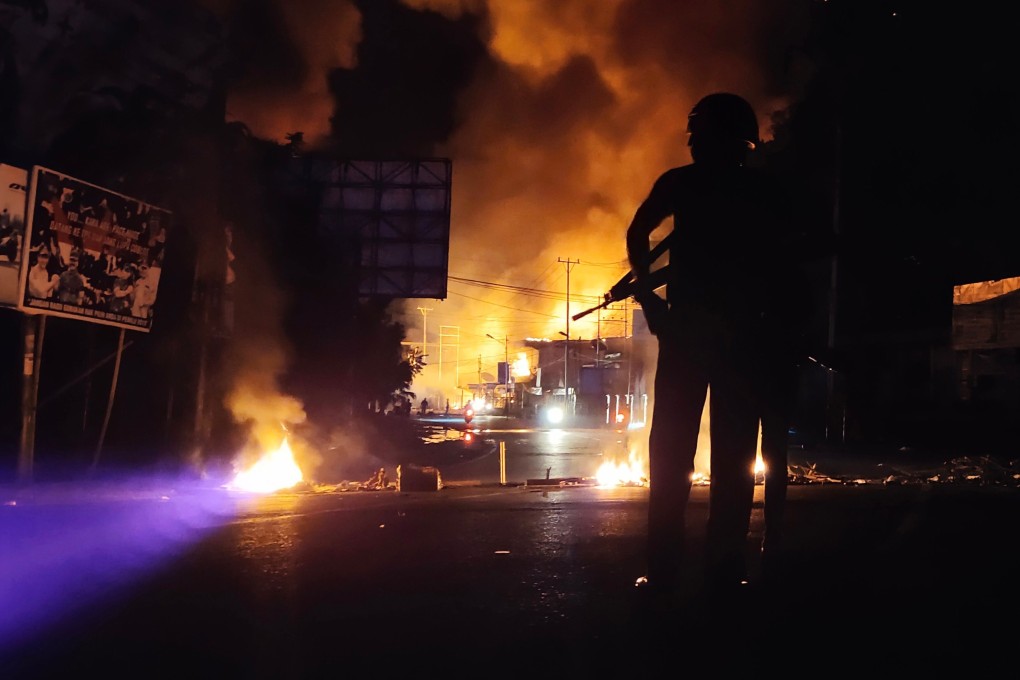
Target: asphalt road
<point>471,453</point>
<point>164,578</point>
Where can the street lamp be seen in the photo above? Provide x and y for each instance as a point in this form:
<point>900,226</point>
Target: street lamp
<point>506,378</point>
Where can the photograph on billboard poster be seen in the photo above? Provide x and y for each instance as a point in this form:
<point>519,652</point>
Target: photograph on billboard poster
<point>91,253</point>
<point>13,182</point>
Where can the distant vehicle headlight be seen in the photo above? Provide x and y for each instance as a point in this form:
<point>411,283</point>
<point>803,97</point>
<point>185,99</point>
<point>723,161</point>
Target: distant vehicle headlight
<point>554,415</point>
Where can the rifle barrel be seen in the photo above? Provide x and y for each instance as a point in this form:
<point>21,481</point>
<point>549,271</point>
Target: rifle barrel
<point>581,315</point>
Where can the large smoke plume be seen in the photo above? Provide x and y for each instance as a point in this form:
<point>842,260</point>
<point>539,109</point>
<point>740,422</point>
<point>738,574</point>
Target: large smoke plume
<point>572,109</point>
<point>568,112</point>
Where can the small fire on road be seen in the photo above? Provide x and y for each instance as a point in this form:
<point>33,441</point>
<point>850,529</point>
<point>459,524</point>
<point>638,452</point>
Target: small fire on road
<point>759,467</point>
<point>634,472</point>
<point>274,471</point>
<point>631,472</point>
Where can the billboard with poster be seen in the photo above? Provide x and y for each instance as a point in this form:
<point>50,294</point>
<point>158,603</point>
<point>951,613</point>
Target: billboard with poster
<point>91,253</point>
<point>13,182</point>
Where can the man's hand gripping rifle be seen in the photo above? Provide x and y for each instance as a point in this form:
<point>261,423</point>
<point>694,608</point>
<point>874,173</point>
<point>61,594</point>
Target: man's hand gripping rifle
<point>655,309</point>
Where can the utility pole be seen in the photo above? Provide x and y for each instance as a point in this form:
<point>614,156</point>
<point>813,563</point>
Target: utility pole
<point>506,377</point>
<point>630,353</point>
<point>566,348</point>
<point>449,336</point>
<point>424,330</point>
<point>834,295</point>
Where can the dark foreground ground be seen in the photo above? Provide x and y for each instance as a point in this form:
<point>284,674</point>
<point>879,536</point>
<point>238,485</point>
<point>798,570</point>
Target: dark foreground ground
<point>157,579</point>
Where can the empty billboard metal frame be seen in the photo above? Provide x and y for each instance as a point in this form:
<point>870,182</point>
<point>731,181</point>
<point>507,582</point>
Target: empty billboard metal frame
<point>392,219</point>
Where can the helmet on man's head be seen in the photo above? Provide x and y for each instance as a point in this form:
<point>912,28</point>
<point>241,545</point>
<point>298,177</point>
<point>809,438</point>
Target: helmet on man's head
<point>724,116</point>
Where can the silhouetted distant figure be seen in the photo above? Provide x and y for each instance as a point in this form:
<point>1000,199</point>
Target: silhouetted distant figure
<point>731,223</point>
<point>424,406</point>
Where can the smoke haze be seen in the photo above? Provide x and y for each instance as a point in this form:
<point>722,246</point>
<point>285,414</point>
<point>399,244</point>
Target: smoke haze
<point>557,117</point>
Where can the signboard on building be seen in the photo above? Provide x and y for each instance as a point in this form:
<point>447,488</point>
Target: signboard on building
<point>90,253</point>
<point>639,324</point>
<point>986,315</point>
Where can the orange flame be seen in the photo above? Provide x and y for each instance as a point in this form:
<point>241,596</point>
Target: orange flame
<point>275,471</point>
<point>631,472</point>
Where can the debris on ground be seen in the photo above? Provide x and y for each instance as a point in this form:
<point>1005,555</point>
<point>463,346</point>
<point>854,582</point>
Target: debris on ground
<point>981,470</point>
<point>809,474</point>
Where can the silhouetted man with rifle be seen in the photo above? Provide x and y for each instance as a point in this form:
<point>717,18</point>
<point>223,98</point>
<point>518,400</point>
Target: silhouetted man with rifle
<point>722,325</point>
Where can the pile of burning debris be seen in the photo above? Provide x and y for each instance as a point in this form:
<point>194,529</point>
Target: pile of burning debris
<point>410,477</point>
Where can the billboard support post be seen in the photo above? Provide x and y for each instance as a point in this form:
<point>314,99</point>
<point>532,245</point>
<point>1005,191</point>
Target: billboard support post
<point>109,401</point>
<point>33,327</point>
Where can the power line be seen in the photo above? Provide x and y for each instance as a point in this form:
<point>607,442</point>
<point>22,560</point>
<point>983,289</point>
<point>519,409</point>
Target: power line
<point>496,304</point>
<point>533,292</point>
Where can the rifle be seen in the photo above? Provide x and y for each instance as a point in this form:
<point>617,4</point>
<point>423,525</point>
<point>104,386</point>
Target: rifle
<point>626,286</point>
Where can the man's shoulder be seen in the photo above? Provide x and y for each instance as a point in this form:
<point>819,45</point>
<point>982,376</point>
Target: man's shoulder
<point>678,173</point>
<point>674,179</point>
